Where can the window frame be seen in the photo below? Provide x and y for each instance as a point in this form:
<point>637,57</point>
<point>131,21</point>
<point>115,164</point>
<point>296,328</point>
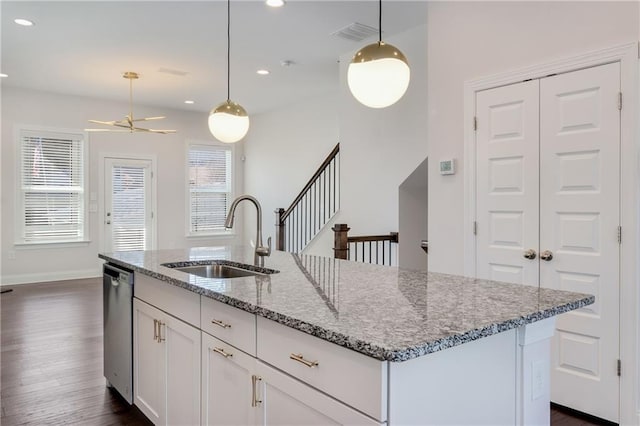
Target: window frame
<point>212,145</point>
<point>19,210</point>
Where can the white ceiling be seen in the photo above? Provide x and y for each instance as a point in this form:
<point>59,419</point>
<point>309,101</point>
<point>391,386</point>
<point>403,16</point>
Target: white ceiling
<point>83,47</point>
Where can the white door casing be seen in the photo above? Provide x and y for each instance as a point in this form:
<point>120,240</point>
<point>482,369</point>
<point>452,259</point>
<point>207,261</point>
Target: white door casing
<point>129,199</point>
<point>578,201</point>
<point>579,219</point>
<point>507,183</point>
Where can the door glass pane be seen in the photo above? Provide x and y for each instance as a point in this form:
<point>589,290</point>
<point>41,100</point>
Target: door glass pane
<point>129,208</point>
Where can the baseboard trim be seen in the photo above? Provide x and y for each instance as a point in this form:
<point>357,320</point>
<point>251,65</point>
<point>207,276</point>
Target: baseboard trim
<point>7,280</point>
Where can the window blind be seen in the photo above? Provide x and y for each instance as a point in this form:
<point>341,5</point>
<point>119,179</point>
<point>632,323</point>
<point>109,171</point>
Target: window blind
<point>52,187</point>
<point>129,208</point>
<point>209,188</point>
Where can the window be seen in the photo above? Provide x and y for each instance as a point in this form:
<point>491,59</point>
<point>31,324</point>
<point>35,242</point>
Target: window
<point>52,187</point>
<point>210,188</point>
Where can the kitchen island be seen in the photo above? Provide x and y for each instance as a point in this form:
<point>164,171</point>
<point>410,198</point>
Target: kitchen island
<point>326,340</point>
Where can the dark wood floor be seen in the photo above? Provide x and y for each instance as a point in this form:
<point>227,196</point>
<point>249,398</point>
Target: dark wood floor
<point>51,360</point>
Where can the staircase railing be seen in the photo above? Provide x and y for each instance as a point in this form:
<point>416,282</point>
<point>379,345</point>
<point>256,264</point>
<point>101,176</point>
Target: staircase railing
<point>314,206</point>
<point>377,249</point>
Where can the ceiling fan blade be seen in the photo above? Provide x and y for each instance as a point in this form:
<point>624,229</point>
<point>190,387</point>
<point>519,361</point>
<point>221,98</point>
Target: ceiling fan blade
<point>163,131</point>
<point>108,123</point>
<point>149,118</point>
<point>106,130</point>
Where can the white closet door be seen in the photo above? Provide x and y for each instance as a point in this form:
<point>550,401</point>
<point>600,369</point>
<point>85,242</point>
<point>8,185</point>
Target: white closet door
<point>507,182</point>
<point>579,205</point>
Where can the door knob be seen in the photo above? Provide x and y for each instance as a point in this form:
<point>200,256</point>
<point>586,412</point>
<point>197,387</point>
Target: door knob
<point>546,255</point>
<point>530,254</point>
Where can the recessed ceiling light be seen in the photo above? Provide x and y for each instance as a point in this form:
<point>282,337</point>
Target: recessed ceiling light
<point>3,75</point>
<point>23,22</point>
<point>263,72</point>
<point>275,3</point>
<point>189,102</point>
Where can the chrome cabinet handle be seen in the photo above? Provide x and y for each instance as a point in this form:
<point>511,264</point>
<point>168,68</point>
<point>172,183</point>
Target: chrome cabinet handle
<point>254,390</point>
<point>530,254</point>
<point>546,255</point>
<point>300,359</point>
<point>155,330</point>
<point>220,323</point>
<point>160,338</point>
<point>222,352</point>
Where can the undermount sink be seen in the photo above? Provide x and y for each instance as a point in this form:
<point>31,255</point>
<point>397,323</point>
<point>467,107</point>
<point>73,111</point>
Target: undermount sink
<point>219,269</point>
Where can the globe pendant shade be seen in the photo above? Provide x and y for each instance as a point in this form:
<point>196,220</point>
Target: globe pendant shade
<point>228,122</point>
<point>378,75</point>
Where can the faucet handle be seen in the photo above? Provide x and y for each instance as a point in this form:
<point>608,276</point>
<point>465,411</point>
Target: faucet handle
<point>264,251</point>
<point>269,246</point>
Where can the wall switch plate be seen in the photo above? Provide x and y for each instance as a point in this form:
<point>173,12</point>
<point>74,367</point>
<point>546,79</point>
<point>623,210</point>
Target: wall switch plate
<point>447,167</point>
<point>539,383</point>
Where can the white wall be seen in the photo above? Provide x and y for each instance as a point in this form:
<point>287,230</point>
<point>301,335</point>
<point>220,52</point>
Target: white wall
<point>29,107</point>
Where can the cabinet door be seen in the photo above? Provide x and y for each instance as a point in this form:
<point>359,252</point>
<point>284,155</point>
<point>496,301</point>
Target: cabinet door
<point>285,400</point>
<point>181,344</point>
<point>148,362</point>
<point>227,387</point>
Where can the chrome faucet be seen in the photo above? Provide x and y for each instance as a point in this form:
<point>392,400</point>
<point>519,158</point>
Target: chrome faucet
<point>261,251</point>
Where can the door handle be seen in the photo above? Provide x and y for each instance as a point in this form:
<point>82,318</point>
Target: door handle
<point>155,330</point>
<point>546,255</point>
<point>254,390</point>
<point>530,254</point>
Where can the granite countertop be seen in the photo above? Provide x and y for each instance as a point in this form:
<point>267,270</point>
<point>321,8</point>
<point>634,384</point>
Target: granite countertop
<point>384,312</point>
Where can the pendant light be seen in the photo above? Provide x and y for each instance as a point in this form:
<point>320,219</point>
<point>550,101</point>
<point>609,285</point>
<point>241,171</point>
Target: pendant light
<point>379,73</point>
<point>228,122</point>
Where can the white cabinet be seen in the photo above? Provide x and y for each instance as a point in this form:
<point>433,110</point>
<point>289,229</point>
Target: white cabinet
<point>228,385</point>
<point>238,389</point>
<point>286,401</point>
<point>166,366</point>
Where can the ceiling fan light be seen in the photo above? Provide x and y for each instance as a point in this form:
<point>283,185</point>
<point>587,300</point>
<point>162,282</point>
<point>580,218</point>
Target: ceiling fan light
<point>378,75</point>
<point>228,122</point>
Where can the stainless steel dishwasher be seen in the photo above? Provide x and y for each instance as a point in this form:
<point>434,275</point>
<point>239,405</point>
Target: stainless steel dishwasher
<point>117,296</point>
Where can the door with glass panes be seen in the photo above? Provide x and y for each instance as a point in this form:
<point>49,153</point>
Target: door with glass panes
<point>128,215</point>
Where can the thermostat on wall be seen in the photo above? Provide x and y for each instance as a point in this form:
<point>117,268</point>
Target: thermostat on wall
<point>447,167</point>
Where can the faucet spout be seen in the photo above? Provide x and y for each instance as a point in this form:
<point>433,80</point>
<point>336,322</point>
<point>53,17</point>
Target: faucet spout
<point>260,251</point>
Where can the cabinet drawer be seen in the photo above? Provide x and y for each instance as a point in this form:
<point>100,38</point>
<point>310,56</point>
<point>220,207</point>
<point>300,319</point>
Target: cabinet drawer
<point>180,303</point>
<point>229,324</point>
<point>355,379</point>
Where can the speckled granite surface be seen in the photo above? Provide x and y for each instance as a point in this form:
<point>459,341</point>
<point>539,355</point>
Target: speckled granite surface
<point>383,312</point>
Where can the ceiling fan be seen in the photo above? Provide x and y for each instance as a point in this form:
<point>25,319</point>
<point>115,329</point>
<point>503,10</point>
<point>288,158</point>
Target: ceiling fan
<point>127,123</point>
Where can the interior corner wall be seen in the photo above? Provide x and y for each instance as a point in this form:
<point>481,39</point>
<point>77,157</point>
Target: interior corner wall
<point>285,147</point>
<point>36,108</point>
<point>470,40</point>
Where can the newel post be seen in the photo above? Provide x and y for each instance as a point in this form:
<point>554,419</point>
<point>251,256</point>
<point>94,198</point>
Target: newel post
<point>340,242</point>
<point>279,229</point>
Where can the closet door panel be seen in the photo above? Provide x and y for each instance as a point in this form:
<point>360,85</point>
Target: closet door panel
<point>507,182</point>
<point>579,218</point>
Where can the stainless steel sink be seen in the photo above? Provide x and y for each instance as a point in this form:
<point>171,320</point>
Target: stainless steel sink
<point>217,271</point>
<point>219,268</point>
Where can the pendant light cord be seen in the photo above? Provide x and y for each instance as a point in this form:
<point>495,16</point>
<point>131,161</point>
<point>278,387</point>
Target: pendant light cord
<point>379,21</point>
<point>228,50</point>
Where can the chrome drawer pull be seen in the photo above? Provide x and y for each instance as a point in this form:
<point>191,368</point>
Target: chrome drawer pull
<point>300,358</point>
<point>220,323</point>
<point>222,352</point>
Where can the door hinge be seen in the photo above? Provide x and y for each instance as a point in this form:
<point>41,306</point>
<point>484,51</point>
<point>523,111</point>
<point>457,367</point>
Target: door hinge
<point>619,234</point>
<point>619,368</point>
<point>152,215</point>
<point>475,123</point>
<point>620,101</point>
<point>475,228</point>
